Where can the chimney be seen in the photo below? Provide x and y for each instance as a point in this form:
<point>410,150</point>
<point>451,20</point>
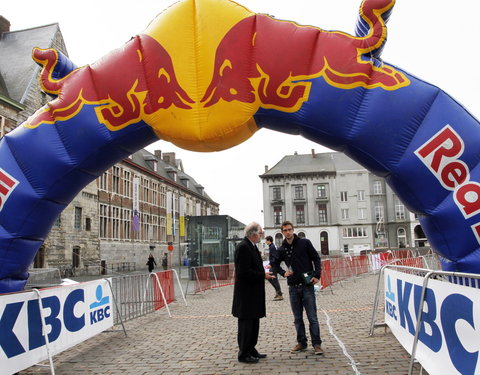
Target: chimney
<point>266,168</point>
<point>158,154</point>
<point>169,158</point>
<point>4,25</point>
<point>313,153</point>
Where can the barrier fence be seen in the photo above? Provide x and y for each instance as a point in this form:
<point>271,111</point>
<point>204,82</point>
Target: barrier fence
<point>210,277</point>
<point>334,270</point>
<point>140,294</point>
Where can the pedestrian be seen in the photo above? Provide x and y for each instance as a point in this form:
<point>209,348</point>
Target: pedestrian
<point>272,255</point>
<point>303,272</point>
<point>249,293</point>
<point>151,263</point>
<point>165,261</point>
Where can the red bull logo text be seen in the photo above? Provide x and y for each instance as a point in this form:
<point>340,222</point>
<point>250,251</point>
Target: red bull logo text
<point>441,155</point>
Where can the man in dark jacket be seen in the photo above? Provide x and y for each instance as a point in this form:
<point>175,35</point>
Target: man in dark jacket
<point>249,293</point>
<point>304,268</point>
<point>272,255</point>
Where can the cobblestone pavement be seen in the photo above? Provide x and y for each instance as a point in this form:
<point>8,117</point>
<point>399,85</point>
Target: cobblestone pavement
<point>201,339</point>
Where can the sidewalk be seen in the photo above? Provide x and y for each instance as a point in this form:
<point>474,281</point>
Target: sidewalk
<point>201,339</point>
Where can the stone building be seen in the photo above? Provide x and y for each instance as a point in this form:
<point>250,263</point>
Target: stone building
<point>161,177</point>
<point>336,203</point>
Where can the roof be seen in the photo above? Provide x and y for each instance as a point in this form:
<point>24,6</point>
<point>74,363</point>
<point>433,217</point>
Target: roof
<point>144,159</point>
<point>328,162</point>
<point>16,67</point>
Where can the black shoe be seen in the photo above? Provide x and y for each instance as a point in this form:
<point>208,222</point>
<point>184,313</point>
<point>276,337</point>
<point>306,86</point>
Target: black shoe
<point>248,359</point>
<point>259,356</point>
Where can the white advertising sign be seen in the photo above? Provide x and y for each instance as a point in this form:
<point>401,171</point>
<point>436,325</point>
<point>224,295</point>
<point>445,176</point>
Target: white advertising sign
<point>449,336</point>
<point>72,314</point>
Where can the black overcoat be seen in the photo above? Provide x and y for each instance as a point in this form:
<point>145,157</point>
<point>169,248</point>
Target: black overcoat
<point>249,288</point>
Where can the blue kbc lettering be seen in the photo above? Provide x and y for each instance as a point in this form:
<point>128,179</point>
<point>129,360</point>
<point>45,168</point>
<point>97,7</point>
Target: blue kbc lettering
<point>58,318</point>
<point>453,308</point>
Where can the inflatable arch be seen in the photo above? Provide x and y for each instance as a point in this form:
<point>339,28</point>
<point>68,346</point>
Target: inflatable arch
<point>208,86</point>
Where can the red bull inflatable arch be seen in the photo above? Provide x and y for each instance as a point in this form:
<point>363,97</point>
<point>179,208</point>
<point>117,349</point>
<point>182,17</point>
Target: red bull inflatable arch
<point>206,75</point>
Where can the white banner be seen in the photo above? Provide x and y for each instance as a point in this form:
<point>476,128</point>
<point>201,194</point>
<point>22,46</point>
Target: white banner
<point>449,338</point>
<point>72,314</point>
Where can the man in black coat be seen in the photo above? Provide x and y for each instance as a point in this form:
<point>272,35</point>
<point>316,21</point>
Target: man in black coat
<point>249,293</point>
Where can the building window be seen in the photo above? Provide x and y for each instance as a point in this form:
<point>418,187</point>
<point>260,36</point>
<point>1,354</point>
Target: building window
<point>88,224</point>
<point>154,193</point>
<point>344,212</point>
<point>343,196</point>
<point>379,211</point>
<point>77,223</point>
<point>278,239</point>
<point>146,189</point>
<point>354,232</point>
<point>321,191</point>
<point>399,210</point>
<point>276,193</point>
<point>102,181</point>
<point>277,215</point>
<point>127,189</point>
<point>163,197</point>
<point>377,187</point>
<point>362,213</point>
<point>115,222</point>
<point>361,195</point>
<point>298,192</point>
<point>322,213</point>
<point>116,179</point>
<point>126,222</point>
<point>345,248</point>
<point>300,213</point>
<point>301,235</point>
<point>103,221</point>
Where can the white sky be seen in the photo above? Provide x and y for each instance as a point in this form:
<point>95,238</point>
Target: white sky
<point>435,40</point>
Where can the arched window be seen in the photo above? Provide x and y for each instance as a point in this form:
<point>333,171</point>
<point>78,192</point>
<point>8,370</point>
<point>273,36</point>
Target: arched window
<point>301,234</point>
<point>278,239</point>
<point>401,237</point>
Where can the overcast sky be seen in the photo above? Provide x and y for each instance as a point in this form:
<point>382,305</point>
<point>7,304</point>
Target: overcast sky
<point>435,40</point>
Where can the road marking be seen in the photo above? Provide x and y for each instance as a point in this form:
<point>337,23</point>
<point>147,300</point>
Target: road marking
<point>341,344</point>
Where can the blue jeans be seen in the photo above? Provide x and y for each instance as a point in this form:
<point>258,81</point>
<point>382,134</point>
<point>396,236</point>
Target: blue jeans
<point>303,297</point>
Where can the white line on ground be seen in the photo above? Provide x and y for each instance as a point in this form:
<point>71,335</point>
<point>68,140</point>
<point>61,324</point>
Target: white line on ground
<point>342,345</point>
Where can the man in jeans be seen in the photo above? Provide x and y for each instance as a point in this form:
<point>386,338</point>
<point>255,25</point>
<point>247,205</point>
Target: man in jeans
<point>301,258</point>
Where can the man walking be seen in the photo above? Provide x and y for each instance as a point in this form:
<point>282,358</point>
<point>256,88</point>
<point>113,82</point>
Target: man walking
<point>249,293</point>
<point>272,255</point>
<point>304,268</point>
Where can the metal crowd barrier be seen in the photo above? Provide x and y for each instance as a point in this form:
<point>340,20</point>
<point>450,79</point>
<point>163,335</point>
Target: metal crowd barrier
<point>210,277</point>
<point>136,295</point>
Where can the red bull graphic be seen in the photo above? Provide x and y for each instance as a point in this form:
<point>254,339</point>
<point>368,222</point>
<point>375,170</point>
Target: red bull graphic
<point>208,85</point>
<point>122,97</point>
<point>270,61</point>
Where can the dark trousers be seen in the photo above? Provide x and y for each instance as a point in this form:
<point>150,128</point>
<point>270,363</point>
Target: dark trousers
<point>276,284</point>
<point>247,337</point>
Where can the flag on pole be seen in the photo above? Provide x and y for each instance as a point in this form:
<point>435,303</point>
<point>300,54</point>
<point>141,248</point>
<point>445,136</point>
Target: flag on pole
<point>136,205</point>
<point>181,210</point>
<point>169,213</point>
